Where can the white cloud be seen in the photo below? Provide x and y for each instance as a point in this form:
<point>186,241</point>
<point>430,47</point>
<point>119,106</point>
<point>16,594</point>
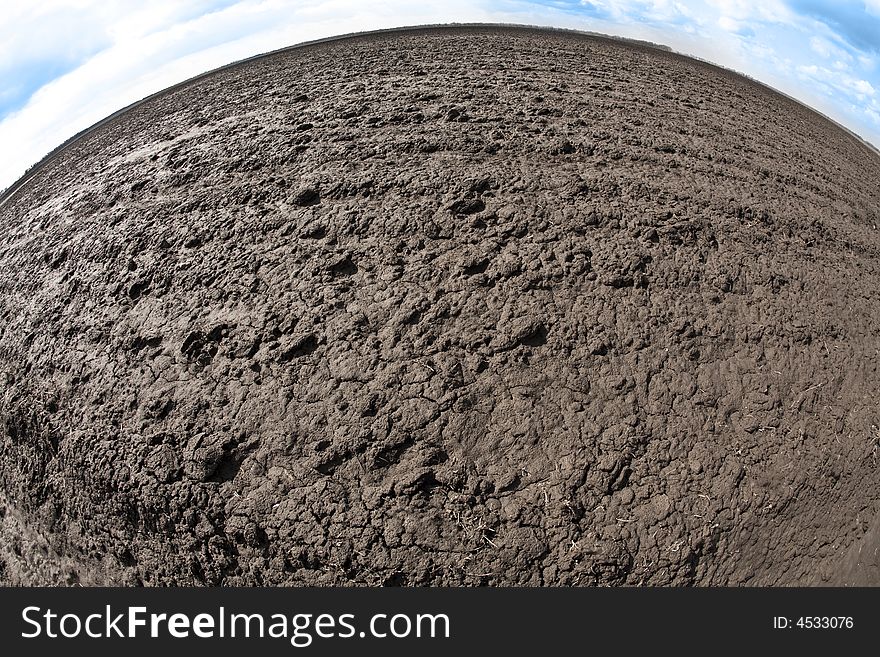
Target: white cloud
<point>33,31</point>
<point>828,50</point>
<point>762,51</point>
<point>729,24</point>
<point>774,11</point>
<point>812,70</point>
<point>860,86</point>
<point>821,47</point>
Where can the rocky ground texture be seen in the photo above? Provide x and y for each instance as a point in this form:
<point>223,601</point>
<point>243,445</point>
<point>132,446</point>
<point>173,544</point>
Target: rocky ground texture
<point>471,306</point>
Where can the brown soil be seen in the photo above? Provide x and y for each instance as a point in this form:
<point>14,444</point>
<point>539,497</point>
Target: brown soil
<point>451,306</point>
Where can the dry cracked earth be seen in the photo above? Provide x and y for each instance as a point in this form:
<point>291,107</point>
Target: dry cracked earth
<point>472,306</point>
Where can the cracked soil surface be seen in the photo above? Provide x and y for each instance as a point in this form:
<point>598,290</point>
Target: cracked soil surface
<point>471,306</point>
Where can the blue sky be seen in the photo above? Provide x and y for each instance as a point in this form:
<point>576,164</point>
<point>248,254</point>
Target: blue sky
<point>65,64</point>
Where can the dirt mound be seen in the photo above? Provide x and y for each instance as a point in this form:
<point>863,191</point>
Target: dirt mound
<point>449,306</point>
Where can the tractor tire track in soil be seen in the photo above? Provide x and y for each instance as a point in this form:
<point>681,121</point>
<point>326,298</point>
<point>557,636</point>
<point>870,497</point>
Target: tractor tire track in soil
<point>458,306</point>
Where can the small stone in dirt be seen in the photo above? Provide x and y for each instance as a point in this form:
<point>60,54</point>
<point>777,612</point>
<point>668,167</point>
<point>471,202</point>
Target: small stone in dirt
<point>479,185</point>
<point>297,346</point>
<point>472,266</point>
<point>137,289</point>
<point>468,206</point>
<point>562,147</point>
<point>306,196</point>
<point>343,266</point>
<point>314,232</point>
<point>204,461</point>
<point>58,259</point>
<point>599,348</point>
<point>534,335</point>
<point>530,332</point>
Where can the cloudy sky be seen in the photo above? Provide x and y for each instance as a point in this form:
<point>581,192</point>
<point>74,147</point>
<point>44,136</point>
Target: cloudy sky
<point>65,64</point>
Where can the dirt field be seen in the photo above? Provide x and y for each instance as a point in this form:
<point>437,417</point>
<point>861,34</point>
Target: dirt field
<point>471,306</point>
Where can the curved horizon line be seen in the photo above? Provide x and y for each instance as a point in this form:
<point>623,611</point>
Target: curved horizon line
<point>32,171</point>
